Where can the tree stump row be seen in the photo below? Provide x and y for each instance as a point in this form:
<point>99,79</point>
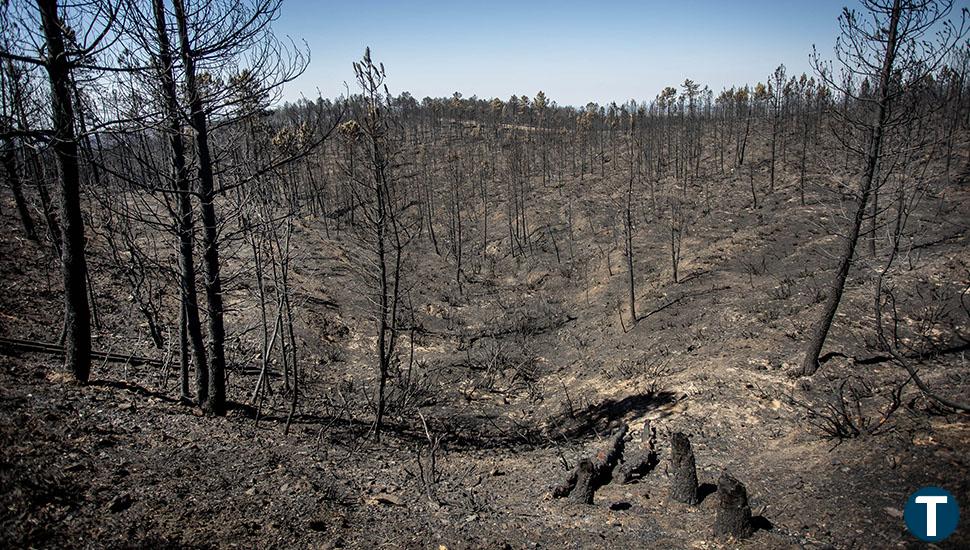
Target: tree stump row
<point>733,514</point>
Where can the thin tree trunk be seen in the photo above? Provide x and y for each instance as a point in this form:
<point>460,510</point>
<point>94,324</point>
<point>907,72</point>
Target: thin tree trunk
<point>774,141</point>
<point>801,172</point>
<point>185,223</point>
<point>184,393</point>
<point>50,215</point>
<point>32,162</point>
<point>216,401</point>
<point>629,253</point>
<point>810,362</point>
<point>77,315</point>
<point>9,160</point>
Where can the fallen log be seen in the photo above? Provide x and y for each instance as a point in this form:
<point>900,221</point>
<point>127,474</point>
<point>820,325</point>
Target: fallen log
<point>592,473</point>
<point>8,345</point>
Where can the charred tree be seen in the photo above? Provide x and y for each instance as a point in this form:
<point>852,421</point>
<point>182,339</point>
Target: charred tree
<point>628,219</point>
<point>8,158</point>
<point>645,460</point>
<point>64,142</point>
<point>214,401</point>
<point>899,58</point>
<point>733,517</point>
<point>34,170</point>
<point>190,322</point>
<point>814,349</point>
<point>683,475</point>
<point>593,472</point>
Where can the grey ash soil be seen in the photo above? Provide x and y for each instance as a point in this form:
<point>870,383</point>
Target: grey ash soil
<point>122,463</point>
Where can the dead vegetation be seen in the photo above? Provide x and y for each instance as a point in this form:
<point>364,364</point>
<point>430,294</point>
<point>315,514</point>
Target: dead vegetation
<point>405,323</point>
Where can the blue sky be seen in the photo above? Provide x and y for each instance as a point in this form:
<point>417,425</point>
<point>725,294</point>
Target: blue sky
<point>574,51</point>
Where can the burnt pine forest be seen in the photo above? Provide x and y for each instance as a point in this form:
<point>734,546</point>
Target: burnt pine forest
<point>703,318</point>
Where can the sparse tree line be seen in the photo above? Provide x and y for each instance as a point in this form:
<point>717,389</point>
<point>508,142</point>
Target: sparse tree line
<point>156,127</point>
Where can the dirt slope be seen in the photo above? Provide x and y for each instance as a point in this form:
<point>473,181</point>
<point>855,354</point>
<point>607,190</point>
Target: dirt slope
<point>523,370</point>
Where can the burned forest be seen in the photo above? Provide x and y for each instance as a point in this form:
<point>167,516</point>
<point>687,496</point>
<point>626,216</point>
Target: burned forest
<point>237,311</point>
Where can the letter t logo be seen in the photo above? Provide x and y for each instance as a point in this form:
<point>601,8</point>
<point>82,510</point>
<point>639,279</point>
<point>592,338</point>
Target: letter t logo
<point>931,502</point>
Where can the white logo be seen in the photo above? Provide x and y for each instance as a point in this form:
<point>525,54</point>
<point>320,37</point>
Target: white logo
<point>931,502</point>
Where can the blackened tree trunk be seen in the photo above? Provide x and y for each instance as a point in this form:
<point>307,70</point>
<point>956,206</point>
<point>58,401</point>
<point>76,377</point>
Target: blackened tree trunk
<point>384,323</point>
<point>77,315</point>
<point>774,142</point>
<point>47,205</point>
<point>185,224</point>
<point>733,517</point>
<point>810,362</point>
<point>683,475</point>
<point>801,170</point>
<point>33,169</point>
<point>585,473</point>
<point>601,466</point>
<point>628,241</point>
<point>216,399</point>
<point>641,463</point>
<point>184,394</point>
<point>9,160</point>
<point>628,225</point>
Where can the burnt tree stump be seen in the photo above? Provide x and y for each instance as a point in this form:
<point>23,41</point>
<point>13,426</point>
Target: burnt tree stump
<point>645,460</point>
<point>733,517</point>
<point>567,485</point>
<point>598,472</point>
<point>582,493</point>
<point>683,478</point>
